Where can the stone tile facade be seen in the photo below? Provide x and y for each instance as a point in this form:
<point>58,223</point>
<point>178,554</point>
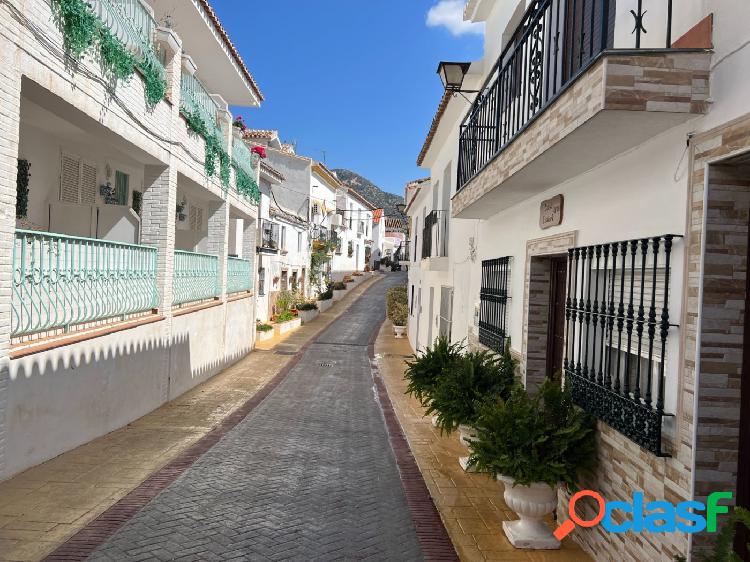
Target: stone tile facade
<point>674,82</point>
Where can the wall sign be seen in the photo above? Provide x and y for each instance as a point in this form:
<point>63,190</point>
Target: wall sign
<point>551,212</point>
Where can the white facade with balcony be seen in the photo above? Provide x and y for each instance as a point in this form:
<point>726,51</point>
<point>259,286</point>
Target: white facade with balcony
<point>117,287</point>
<point>608,164</point>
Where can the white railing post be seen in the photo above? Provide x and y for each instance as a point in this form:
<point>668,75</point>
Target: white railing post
<point>218,241</point>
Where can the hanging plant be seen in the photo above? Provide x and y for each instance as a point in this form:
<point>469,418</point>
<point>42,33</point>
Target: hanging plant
<point>260,151</point>
<point>246,185</point>
<point>239,123</point>
<point>214,151</point>
<point>22,188</point>
<point>137,202</point>
<point>155,86</point>
<point>79,25</point>
<point>116,60</point>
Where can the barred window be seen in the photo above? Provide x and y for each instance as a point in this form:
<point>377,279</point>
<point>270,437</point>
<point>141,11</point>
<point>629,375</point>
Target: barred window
<point>493,300</point>
<point>617,320</point>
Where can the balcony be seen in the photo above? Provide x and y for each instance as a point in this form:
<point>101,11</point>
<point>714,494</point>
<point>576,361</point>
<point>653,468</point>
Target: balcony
<point>269,237</point>
<point>435,242</point>
<point>246,171</point>
<point>403,253</point>
<point>569,76</point>
<point>196,278</point>
<point>239,276</point>
<point>196,100</point>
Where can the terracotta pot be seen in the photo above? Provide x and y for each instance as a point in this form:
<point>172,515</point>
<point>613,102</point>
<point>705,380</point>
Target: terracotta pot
<point>532,503</point>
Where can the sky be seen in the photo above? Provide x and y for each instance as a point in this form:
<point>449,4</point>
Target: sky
<point>354,78</point>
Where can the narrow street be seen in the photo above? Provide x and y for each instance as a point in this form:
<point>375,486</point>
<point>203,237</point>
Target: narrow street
<point>308,475</point>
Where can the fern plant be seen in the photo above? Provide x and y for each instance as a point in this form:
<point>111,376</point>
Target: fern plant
<point>424,368</point>
<point>467,383</point>
<point>540,438</point>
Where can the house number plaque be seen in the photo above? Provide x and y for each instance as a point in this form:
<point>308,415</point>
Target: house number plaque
<point>551,212</point>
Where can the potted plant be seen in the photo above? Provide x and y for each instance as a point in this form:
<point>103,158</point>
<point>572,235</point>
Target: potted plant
<point>325,299</point>
<point>264,331</point>
<point>399,316</point>
<point>307,310</point>
<point>533,445</point>
<point>339,290</point>
<point>424,369</point>
<point>464,386</point>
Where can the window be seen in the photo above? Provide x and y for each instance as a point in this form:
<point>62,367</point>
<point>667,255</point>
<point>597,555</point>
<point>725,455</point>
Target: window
<point>285,280</point>
<point>351,215</point>
<point>122,187</point>
<point>299,241</point>
<point>446,311</point>
<point>283,237</point>
<point>262,281</point>
<point>411,304</point>
<point>617,318</point>
<point>493,300</point>
<point>78,180</point>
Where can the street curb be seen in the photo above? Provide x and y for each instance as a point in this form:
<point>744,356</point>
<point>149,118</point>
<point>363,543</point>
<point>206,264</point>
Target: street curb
<point>431,533</point>
<point>85,541</point>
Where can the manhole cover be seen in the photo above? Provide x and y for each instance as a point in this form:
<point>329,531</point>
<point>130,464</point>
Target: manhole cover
<point>326,364</point>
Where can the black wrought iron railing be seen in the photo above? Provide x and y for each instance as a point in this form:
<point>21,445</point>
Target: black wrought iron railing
<point>618,324</point>
<point>404,253</point>
<point>493,300</point>
<point>269,235</point>
<point>555,42</point>
<point>434,235</point>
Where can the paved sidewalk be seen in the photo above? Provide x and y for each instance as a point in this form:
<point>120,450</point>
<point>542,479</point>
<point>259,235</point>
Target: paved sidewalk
<point>470,505</point>
<point>42,507</point>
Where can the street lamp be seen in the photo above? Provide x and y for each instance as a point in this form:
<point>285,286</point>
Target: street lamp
<point>452,75</point>
<point>401,208</point>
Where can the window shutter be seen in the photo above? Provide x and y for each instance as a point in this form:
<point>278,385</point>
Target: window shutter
<point>88,183</point>
<point>194,217</point>
<point>70,172</point>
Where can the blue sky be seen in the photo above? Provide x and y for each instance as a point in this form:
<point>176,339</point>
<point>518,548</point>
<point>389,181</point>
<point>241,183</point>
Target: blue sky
<point>355,78</point>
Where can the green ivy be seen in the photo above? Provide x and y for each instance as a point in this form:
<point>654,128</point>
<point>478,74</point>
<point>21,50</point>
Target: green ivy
<point>116,60</point>
<point>82,29</point>
<point>214,150</point>
<point>246,185</point>
<point>22,188</point>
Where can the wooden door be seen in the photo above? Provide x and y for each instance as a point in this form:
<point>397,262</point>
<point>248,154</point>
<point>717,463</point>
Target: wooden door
<point>556,323</point>
<point>743,464</point>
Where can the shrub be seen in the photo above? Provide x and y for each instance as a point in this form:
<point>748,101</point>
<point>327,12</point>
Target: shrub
<point>348,279</point>
<point>465,384</point>
<point>396,295</point>
<point>307,306</point>
<point>540,438</point>
<point>339,286</point>
<point>722,549</point>
<point>357,274</point>
<point>284,301</point>
<point>264,327</point>
<point>327,294</point>
<point>367,268</point>
<point>425,368</point>
<point>285,316</point>
<point>399,314</point>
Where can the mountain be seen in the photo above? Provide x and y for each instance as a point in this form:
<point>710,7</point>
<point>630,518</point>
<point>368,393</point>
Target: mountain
<point>369,190</point>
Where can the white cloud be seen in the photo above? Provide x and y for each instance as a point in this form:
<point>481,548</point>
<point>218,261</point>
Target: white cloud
<point>450,14</point>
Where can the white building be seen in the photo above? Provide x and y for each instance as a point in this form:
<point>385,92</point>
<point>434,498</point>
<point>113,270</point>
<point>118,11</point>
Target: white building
<point>117,289</point>
<point>591,205</point>
<point>354,233</point>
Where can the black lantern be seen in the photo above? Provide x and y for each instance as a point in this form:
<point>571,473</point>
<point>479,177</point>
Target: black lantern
<point>452,75</point>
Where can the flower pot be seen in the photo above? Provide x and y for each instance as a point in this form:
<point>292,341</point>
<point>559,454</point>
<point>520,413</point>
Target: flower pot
<point>325,305</point>
<point>399,331</point>
<point>532,503</point>
<point>308,315</point>
<point>264,336</point>
<point>338,295</point>
<point>465,433</point>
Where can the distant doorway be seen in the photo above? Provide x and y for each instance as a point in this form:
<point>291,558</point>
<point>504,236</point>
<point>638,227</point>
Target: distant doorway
<point>556,324</point>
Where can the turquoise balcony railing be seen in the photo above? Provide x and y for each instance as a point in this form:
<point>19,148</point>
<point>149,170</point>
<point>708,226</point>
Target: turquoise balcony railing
<point>195,99</point>
<point>62,281</point>
<point>247,165</point>
<point>133,24</point>
<point>196,277</point>
<point>239,275</point>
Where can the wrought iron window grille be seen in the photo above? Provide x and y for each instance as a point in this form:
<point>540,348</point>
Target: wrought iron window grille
<point>493,301</point>
<point>618,324</point>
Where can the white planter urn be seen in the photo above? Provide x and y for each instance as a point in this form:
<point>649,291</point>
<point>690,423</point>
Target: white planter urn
<point>338,295</point>
<point>325,305</point>
<point>265,336</point>
<point>434,420</point>
<point>399,331</point>
<point>532,503</point>
<point>465,433</point>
